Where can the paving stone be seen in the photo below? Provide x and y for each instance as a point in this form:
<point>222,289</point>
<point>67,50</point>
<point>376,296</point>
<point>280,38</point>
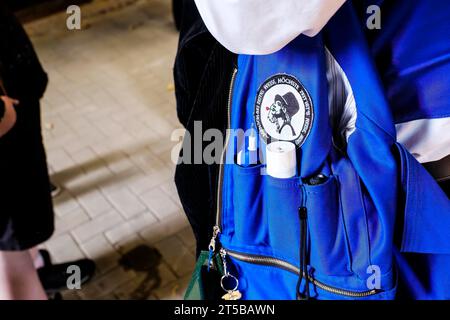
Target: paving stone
<point>83,155</point>
<point>59,159</point>
<point>193,249</point>
<point>130,227</point>
<point>159,203</point>
<point>174,290</point>
<point>94,203</point>
<point>64,248</point>
<point>120,164</point>
<point>164,274</point>
<point>177,255</point>
<point>128,243</point>
<point>140,184</point>
<point>169,226</point>
<point>187,236</point>
<point>65,203</point>
<point>97,225</point>
<point>87,177</point>
<point>70,221</point>
<point>102,252</point>
<point>170,189</point>
<point>71,295</point>
<point>102,286</point>
<point>126,202</point>
<point>146,160</point>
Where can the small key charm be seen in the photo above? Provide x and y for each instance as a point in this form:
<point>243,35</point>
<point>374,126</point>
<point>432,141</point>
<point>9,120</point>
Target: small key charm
<point>232,295</point>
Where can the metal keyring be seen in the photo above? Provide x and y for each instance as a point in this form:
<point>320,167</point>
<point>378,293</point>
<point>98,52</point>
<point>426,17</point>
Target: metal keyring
<point>226,276</point>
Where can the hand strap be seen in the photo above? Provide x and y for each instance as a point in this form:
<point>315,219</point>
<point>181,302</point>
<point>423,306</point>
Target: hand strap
<point>2,88</point>
<point>2,104</point>
<point>2,110</point>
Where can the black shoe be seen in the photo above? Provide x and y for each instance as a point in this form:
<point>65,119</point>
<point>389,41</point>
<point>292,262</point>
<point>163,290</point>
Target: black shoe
<point>54,277</point>
<point>45,255</point>
<point>54,189</point>
<point>55,296</point>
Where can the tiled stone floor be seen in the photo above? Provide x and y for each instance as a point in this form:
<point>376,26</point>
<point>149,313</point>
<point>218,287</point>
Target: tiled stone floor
<point>108,115</point>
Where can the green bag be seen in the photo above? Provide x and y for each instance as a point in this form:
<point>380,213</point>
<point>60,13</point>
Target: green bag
<point>205,284</point>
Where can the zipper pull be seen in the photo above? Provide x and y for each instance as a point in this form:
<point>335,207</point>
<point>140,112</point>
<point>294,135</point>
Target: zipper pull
<point>223,254</point>
<point>232,294</point>
<point>303,213</point>
<point>212,246</point>
<point>212,243</point>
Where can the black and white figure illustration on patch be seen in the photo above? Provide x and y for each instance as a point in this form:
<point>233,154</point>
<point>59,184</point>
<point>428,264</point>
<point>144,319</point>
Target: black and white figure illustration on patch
<point>283,110</point>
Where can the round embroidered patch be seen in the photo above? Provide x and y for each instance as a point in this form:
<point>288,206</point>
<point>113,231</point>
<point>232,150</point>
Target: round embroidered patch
<point>283,110</point>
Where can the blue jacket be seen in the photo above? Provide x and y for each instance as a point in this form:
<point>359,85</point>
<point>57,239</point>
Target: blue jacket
<point>378,226</point>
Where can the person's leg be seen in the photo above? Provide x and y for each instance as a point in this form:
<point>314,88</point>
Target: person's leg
<point>18,277</point>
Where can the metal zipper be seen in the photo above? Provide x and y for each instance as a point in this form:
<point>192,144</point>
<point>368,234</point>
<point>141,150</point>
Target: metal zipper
<point>257,259</point>
<point>218,226</point>
<point>269,261</point>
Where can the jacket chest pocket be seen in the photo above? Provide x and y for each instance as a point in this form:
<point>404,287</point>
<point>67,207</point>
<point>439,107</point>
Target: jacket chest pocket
<point>328,243</point>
